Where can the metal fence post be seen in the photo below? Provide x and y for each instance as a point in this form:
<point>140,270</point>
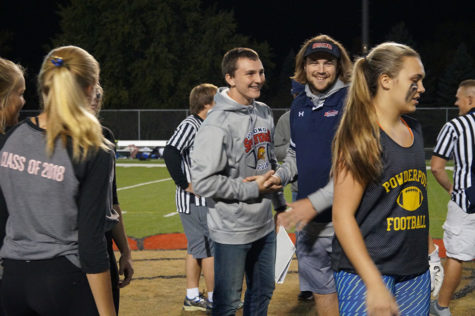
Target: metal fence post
<point>138,124</point>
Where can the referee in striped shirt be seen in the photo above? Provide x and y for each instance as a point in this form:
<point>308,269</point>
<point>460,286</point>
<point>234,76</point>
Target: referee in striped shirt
<point>457,139</point>
<point>192,208</point>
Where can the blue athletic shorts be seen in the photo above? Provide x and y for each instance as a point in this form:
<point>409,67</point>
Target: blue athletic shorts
<point>412,293</point>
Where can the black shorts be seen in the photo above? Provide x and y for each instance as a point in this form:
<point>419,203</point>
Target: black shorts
<point>46,287</point>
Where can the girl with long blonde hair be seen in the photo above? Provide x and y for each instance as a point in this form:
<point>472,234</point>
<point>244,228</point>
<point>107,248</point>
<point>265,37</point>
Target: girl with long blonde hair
<point>380,212</point>
<point>12,88</point>
<point>55,176</point>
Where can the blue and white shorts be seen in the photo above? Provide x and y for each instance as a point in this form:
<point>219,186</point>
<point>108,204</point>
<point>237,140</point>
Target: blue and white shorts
<point>412,293</point>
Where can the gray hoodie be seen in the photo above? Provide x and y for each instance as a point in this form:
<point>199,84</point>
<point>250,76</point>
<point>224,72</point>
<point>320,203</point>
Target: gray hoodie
<point>235,141</point>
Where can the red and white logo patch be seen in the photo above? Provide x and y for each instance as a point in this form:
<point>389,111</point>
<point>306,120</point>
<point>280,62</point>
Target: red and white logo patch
<point>322,45</point>
<point>331,113</point>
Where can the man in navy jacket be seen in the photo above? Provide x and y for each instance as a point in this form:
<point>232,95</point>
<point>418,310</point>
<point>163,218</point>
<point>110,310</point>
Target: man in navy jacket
<point>323,65</point>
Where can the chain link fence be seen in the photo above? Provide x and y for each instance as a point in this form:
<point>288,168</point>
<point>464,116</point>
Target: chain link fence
<point>159,124</point>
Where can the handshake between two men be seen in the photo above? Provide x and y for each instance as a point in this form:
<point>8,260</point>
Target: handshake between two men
<point>298,213</point>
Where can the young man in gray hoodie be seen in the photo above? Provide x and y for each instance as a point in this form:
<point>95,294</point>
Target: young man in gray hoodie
<point>235,143</point>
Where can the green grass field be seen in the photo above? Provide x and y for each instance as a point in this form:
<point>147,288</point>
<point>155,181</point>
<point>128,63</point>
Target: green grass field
<point>149,209</point>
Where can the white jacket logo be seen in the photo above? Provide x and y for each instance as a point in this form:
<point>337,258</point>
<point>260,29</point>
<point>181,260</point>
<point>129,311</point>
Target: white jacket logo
<point>301,114</point>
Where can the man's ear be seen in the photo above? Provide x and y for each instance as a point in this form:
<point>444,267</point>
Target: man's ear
<point>470,100</point>
<point>230,80</point>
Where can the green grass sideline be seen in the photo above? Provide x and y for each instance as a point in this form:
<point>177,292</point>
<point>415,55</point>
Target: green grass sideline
<point>145,206</point>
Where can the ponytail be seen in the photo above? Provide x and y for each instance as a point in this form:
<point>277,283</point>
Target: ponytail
<point>66,77</point>
<point>356,146</point>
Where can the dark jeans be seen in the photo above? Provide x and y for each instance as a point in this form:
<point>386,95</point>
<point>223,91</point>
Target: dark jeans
<point>257,261</point>
<point>52,287</point>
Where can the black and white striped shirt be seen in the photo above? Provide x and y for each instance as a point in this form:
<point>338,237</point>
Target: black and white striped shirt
<point>182,140</point>
<point>457,139</point>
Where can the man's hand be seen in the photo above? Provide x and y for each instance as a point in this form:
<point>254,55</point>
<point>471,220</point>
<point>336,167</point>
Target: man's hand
<point>190,188</point>
<point>265,182</point>
<point>436,272</point>
<point>126,269</point>
<point>273,180</point>
<point>300,213</point>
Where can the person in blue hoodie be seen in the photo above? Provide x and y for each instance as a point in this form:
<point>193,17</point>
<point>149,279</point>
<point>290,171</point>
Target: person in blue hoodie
<point>233,156</point>
<point>323,65</point>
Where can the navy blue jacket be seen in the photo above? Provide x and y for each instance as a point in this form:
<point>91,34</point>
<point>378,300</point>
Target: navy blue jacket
<point>312,133</point>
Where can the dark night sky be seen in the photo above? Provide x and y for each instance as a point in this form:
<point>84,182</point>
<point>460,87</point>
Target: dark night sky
<point>286,24</point>
<point>283,24</point>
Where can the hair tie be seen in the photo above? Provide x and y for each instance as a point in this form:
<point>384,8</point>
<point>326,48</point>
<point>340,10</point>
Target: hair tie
<point>366,61</point>
<point>57,61</point>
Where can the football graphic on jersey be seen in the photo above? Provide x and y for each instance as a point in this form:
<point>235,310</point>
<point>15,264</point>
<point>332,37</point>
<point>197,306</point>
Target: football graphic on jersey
<point>410,198</point>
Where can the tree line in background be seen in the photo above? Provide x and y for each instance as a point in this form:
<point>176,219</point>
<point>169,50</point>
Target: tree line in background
<point>152,52</point>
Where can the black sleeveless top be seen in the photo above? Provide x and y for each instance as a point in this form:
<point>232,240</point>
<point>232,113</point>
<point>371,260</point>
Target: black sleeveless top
<point>393,213</point>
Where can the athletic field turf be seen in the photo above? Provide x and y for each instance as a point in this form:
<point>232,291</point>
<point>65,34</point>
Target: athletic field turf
<point>147,198</point>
